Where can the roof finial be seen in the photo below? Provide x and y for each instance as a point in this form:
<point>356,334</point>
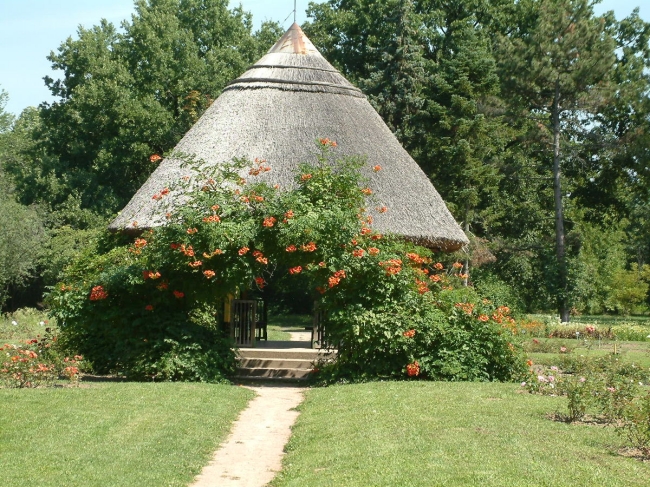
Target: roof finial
<point>292,12</point>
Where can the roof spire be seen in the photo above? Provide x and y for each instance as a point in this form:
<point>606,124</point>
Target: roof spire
<point>294,41</point>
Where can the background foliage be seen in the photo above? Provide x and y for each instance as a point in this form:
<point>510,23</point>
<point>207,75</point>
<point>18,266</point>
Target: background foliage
<point>467,87</point>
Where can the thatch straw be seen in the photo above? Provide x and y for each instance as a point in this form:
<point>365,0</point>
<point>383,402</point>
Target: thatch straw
<point>276,111</point>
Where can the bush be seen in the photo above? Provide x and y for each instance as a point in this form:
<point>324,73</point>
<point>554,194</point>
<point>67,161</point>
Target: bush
<point>391,309</point>
<point>37,362</point>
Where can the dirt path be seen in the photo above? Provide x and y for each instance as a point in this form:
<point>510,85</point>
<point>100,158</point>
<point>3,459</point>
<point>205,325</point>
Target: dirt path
<point>252,454</point>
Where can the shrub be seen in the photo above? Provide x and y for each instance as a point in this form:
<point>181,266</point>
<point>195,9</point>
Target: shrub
<point>37,362</point>
<point>391,309</point>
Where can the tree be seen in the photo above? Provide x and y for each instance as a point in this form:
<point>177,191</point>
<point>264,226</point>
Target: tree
<point>126,95</point>
<point>555,67</point>
<point>21,229</point>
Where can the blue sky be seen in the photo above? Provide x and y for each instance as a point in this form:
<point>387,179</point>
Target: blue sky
<point>30,29</point>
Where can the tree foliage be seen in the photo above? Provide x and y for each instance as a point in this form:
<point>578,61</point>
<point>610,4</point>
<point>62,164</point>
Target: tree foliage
<point>127,94</point>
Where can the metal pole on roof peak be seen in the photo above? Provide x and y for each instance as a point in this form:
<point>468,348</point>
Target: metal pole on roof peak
<point>294,11</point>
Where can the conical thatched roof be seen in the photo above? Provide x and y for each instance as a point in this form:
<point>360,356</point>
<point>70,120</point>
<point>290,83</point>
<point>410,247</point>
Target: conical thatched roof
<point>276,111</point>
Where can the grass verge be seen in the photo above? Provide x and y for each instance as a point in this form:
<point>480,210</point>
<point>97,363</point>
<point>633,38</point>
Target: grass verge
<point>114,434</point>
<point>448,434</point>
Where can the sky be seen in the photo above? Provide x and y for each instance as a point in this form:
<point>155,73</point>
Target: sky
<point>30,29</point>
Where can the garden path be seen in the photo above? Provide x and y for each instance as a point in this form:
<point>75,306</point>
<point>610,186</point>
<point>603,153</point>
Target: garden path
<point>252,453</point>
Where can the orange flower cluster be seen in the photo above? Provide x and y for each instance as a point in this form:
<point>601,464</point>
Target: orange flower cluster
<point>269,221</point>
<point>186,251</point>
<point>150,275</point>
<point>216,252</point>
<point>291,248</point>
<point>310,247</point>
<point>435,278</point>
<point>376,168</point>
<point>212,219</point>
<point>377,236</point>
<point>457,265</point>
<point>149,307</point>
<point>366,191</point>
<point>139,243</point>
<point>417,259</point>
<point>179,294</point>
<point>98,293</point>
<point>392,266</point>
<point>358,252</point>
<point>295,270</point>
<point>438,266</point>
<point>327,143</point>
<point>162,286</point>
<point>191,231</point>
<point>209,274</point>
<point>260,282</point>
<point>365,231</point>
<point>154,158</point>
<point>254,171</point>
<point>382,209</point>
<point>409,333</point>
<point>289,214</point>
<point>259,257</point>
<point>373,251</point>
<point>501,316</point>
<point>483,318</point>
<point>195,264</point>
<point>215,207</point>
<point>306,177</point>
<point>159,196</point>
<point>466,307</point>
<point>422,286</point>
<point>336,278</point>
<point>413,370</point>
<point>243,251</point>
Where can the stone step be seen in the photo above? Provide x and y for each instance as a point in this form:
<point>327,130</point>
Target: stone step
<point>291,353</point>
<point>276,363</point>
<point>262,373</point>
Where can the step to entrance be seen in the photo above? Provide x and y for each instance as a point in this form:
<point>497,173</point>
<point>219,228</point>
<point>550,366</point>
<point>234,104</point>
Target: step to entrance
<point>294,365</point>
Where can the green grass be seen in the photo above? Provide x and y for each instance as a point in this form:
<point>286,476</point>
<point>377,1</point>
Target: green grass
<point>281,324</point>
<point>29,322</point>
<point>113,434</point>
<point>632,352</point>
<point>412,434</point>
<point>611,320</point>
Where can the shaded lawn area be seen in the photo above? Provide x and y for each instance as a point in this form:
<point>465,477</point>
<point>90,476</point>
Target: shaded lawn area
<point>114,434</point>
<point>415,434</point>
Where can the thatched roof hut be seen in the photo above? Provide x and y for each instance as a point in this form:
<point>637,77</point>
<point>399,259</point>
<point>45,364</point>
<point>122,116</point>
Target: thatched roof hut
<point>276,111</point>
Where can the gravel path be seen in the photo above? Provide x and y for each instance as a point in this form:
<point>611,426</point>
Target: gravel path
<point>252,454</point>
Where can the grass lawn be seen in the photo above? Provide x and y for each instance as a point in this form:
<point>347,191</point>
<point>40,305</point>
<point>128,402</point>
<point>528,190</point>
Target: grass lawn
<point>428,434</point>
<point>281,324</point>
<point>633,352</point>
<point>113,434</point>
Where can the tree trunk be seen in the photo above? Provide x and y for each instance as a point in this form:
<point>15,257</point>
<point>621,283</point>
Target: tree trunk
<point>560,251</point>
